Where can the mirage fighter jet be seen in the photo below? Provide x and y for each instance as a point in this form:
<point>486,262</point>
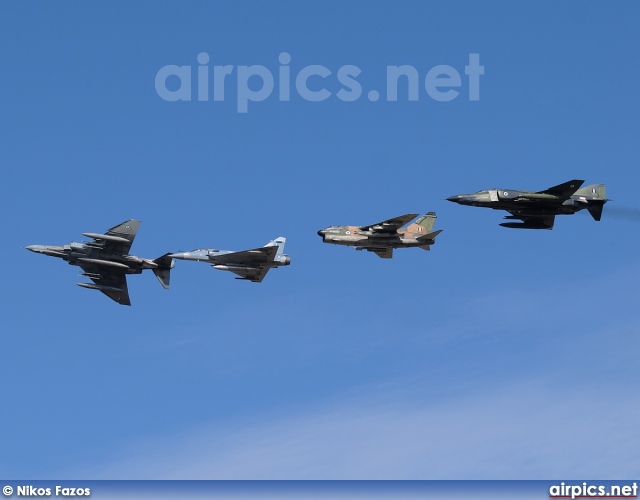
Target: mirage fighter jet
<point>383,237</point>
<point>537,210</point>
<point>252,265</point>
<point>106,260</point>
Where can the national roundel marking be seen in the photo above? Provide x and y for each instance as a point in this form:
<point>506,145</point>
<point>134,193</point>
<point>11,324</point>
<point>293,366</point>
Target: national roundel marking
<point>347,232</point>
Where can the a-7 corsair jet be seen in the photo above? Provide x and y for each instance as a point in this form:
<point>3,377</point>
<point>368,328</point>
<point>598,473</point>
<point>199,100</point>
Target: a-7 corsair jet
<point>537,210</point>
<point>106,260</point>
<point>252,265</point>
<point>382,237</point>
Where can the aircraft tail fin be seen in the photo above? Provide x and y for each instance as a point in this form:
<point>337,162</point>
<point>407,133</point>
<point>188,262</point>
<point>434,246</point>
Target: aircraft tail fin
<point>423,224</point>
<point>163,271</point>
<point>595,196</point>
<point>597,191</point>
<point>279,242</point>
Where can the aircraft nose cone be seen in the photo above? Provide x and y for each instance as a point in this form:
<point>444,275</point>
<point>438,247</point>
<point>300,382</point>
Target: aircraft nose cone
<point>321,232</point>
<point>455,198</point>
<point>33,248</point>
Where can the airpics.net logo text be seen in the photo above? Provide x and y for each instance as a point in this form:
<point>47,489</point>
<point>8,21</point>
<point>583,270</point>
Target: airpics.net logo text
<point>257,83</point>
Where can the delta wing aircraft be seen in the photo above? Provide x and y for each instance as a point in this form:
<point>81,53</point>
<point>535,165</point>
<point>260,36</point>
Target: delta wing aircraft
<point>382,237</point>
<point>252,265</point>
<point>537,210</point>
<point>106,260</point>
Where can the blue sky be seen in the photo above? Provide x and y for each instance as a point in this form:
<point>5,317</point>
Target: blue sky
<point>499,354</point>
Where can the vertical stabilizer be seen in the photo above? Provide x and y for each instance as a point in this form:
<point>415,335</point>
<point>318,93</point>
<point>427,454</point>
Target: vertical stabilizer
<point>279,242</point>
<point>597,191</point>
<point>423,224</point>
<point>596,197</point>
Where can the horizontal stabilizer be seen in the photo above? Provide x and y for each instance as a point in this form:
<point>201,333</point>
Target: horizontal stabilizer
<point>595,209</point>
<point>430,236</point>
<point>163,271</point>
<point>164,276</point>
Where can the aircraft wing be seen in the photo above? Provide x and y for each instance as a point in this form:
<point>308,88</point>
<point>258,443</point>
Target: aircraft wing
<point>112,283</point>
<point>390,225</point>
<point>530,221</point>
<point>565,190</point>
<point>255,274</point>
<point>384,253</point>
<point>255,257</point>
<point>118,239</point>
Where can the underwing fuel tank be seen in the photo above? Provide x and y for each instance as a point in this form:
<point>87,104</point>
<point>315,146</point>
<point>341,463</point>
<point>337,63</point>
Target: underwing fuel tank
<point>107,237</point>
<point>234,268</point>
<point>105,263</point>
<point>102,288</point>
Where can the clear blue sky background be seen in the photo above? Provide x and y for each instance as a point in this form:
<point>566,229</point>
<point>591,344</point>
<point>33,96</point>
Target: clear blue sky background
<point>499,354</point>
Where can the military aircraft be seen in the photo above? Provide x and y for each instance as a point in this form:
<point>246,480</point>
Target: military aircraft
<point>252,265</point>
<point>106,260</point>
<point>537,210</point>
<point>382,237</point>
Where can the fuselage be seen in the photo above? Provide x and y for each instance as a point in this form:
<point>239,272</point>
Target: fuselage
<point>522,201</point>
<point>353,236</point>
<point>78,254</point>
<point>210,255</point>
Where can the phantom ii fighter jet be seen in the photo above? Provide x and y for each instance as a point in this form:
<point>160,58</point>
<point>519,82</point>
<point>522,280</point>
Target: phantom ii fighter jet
<point>252,265</point>
<point>106,260</point>
<point>383,237</point>
<point>537,210</point>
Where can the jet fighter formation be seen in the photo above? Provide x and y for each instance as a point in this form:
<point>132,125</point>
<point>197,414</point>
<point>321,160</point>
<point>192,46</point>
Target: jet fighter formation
<point>537,210</point>
<point>106,260</point>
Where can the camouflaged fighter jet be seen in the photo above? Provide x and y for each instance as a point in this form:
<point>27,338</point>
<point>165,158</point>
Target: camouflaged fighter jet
<point>537,210</point>
<point>106,260</point>
<point>383,237</point>
<point>252,265</point>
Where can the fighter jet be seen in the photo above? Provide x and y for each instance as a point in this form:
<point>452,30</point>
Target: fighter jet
<point>382,237</point>
<point>252,265</point>
<point>106,260</point>
<point>537,210</point>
